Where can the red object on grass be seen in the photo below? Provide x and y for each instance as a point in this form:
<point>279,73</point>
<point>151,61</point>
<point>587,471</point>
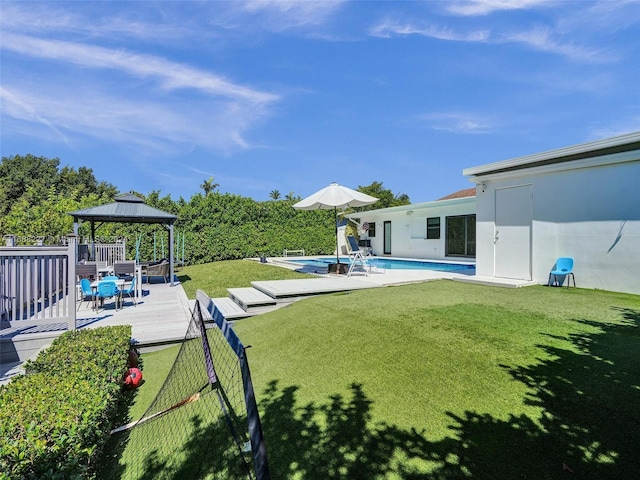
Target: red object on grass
<point>133,377</point>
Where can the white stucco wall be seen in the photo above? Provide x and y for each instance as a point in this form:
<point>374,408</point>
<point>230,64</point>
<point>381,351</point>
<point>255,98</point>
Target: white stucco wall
<point>586,211</point>
<point>409,230</point>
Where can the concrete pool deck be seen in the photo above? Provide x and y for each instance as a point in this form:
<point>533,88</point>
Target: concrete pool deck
<point>387,277</point>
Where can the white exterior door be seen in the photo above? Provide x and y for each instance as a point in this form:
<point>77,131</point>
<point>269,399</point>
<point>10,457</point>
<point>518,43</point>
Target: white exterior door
<point>512,239</point>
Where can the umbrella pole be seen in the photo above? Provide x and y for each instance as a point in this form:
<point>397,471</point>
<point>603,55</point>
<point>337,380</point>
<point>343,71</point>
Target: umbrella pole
<point>335,214</point>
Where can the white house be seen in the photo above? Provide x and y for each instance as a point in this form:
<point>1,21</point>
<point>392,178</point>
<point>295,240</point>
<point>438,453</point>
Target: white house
<point>581,201</point>
<point>438,230</point>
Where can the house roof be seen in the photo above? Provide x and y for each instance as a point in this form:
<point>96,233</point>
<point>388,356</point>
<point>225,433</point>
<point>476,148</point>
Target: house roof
<point>614,145</point>
<point>127,208</point>
<point>468,195</point>
<point>467,192</point>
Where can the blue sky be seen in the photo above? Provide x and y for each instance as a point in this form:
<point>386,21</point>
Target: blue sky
<point>290,96</point>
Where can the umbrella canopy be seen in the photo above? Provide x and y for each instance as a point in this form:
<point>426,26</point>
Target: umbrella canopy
<point>335,196</point>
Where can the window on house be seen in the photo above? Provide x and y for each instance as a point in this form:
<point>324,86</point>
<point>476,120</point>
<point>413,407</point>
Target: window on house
<point>433,228</point>
<point>461,236</point>
<point>372,229</point>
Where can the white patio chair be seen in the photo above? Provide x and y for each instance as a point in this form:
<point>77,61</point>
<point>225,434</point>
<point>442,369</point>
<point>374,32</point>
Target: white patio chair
<point>357,257</point>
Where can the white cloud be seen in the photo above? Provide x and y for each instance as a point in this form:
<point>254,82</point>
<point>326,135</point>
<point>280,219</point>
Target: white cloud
<point>171,75</point>
<point>457,122</point>
<point>14,106</point>
<point>50,20</point>
<point>279,15</point>
<point>143,124</point>
<point>537,38</point>
<point>542,39</point>
<point>389,28</point>
<point>72,91</point>
<point>486,7</point>
<point>621,127</point>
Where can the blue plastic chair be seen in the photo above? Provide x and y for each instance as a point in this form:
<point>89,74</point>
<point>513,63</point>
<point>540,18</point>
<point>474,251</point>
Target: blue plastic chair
<point>131,291</point>
<point>107,289</point>
<point>86,291</point>
<point>563,268</point>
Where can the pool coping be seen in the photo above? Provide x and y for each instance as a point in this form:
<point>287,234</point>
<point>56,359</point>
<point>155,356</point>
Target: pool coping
<point>402,277</point>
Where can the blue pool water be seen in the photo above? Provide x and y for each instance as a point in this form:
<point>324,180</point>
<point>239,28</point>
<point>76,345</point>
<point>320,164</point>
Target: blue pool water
<point>391,264</point>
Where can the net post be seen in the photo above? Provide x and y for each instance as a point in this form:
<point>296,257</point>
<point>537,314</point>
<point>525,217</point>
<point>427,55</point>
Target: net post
<point>258,447</point>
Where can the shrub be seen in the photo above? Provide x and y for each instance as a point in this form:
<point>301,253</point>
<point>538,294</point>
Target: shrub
<point>55,420</point>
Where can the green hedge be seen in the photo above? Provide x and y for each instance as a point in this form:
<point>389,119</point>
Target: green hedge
<point>55,421</point>
<point>229,227</point>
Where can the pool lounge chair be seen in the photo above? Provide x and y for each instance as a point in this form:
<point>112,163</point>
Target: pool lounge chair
<point>357,257</point>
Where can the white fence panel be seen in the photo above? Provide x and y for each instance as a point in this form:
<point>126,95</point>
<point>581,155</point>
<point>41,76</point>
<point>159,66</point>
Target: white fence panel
<point>38,285</point>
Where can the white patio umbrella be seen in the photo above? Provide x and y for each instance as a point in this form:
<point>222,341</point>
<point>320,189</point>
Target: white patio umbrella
<point>333,197</point>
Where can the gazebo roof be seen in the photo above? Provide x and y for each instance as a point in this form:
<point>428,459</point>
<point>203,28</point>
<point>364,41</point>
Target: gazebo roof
<point>127,208</point>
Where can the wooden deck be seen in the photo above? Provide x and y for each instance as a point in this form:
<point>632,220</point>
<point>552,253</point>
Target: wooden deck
<point>162,315</point>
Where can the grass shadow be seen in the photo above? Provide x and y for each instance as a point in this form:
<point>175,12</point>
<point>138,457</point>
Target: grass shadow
<point>588,395</point>
<point>334,440</point>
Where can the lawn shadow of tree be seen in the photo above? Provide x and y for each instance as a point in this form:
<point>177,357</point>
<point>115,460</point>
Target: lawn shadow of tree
<point>333,440</point>
<point>589,396</point>
<point>589,427</point>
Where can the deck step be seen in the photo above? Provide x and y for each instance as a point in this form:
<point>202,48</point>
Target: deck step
<point>252,300</point>
<point>288,290</point>
<point>230,309</point>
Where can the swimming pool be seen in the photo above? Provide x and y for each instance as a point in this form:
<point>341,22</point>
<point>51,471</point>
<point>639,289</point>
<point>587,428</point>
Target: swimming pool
<point>390,264</point>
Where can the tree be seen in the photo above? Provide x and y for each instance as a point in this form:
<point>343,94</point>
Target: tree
<point>275,194</point>
<point>31,179</point>
<point>385,197</point>
<point>292,197</point>
<point>82,183</point>
<point>209,186</point>
<point>17,173</point>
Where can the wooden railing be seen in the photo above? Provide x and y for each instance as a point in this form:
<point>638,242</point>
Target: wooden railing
<point>103,253</point>
<point>38,285</point>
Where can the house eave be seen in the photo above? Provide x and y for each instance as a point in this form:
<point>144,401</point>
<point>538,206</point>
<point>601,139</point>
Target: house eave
<point>413,206</point>
<point>601,148</point>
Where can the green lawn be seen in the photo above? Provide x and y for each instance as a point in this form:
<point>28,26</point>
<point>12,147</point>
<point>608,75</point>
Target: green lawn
<point>447,380</point>
<point>451,379</point>
<point>215,278</point>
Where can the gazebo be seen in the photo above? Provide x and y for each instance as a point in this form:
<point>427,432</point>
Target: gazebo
<point>127,208</point>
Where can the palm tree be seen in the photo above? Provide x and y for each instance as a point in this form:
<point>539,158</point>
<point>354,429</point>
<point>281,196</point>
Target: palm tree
<point>209,186</point>
<point>291,197</point>
<point>275,194</point>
